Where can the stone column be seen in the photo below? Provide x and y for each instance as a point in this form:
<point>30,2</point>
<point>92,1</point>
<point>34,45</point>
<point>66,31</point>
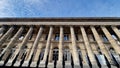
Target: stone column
<point>50,59</point>
<point>94,46</point>
<point>21,46</point>
<point>115,29</point>
<point>111,40</point>
<point>67,52</point>
<point>5,36</point>
<point>2,40</point>
<point>88,48</point>
<point>60,56</point>
<point>50,55</point>
<point>47,49</point>
<point>83,55</point>
<point>36,56</point>
<point>12,42</point>
<point>27,60</point>
<point>74,48</point>
<point>100,44</point>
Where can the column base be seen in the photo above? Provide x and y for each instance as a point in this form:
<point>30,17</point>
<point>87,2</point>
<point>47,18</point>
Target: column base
<point>2,63</point>
<point>95,66</point>
<point>68,65</point>
<point>104,66</point>
<point>77,65</point>
<point>86,66</point>
<point>9,63</point>
<point>25,64</point>
<point>59,64</point>
<point>33,64</point>
<point>113,66</point>
<point>17,64</point>
<point>42,64</point>
<point>50,65</point>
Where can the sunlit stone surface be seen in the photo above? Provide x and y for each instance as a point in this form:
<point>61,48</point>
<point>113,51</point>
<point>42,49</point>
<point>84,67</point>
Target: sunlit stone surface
<point>60,43</point>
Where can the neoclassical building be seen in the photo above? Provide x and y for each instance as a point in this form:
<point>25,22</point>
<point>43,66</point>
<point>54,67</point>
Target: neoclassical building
<point>60,42</point>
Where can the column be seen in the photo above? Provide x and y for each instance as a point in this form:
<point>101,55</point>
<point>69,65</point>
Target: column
<point>27,54</point>
<point>36,56</point>
<point>47,49</point>
<point>67,53</point>
<point>27,60</point>
<point>50,59</point>
<point>60,56</point>
<point>74,48</point>
<point>88,48</point>
<point>17,63</point>
<point>83,55</point>
<point>100,44</point>
<point>5,36</point>
<point>12,42</point>
<point>3,40</point>
<point>111,40</point>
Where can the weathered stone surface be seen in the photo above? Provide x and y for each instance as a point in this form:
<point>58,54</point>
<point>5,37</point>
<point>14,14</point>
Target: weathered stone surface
<point>9,63</point>
<point>59,65</point>
<point>17,64</point>
<point>50,65</point>
<point>33,64</point>
<point>76,46</point>
<point>42,64</point>
<point>85,66</point>
<point>2,63</point>
<point>25,64</point>
<point>68,65</point>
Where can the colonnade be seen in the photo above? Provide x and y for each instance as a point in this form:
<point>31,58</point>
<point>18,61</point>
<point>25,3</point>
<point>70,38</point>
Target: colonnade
<point>39,53</point>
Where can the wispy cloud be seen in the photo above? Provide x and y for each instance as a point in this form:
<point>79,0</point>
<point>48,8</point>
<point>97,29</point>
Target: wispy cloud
<point>18,8</point>
<point>35,2</point>
<point>6,9</point>
<point>59,8</point>
<point>34,6</point>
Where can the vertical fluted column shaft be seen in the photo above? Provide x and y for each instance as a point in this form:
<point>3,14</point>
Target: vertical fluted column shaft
<point>60,57</point>
<point>37,53</point>
<point>11,43</point>
<point>50,54</point>
<point>87,45</point>
<point>47,49</point>
<point>5,36</point>
<point>36,42</point>
<point>74,48</point>
<point>23,42</point>
<point>27,36</point>
<point>111,40</point>
<point>100,43</point>
<point>16,36</point>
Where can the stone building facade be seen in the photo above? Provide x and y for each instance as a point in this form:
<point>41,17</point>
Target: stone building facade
<point>60,42</point>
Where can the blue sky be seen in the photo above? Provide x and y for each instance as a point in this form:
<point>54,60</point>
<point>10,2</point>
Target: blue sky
<point>59,8</point>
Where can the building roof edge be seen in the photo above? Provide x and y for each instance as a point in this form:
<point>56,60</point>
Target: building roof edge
<point>61,19</point>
